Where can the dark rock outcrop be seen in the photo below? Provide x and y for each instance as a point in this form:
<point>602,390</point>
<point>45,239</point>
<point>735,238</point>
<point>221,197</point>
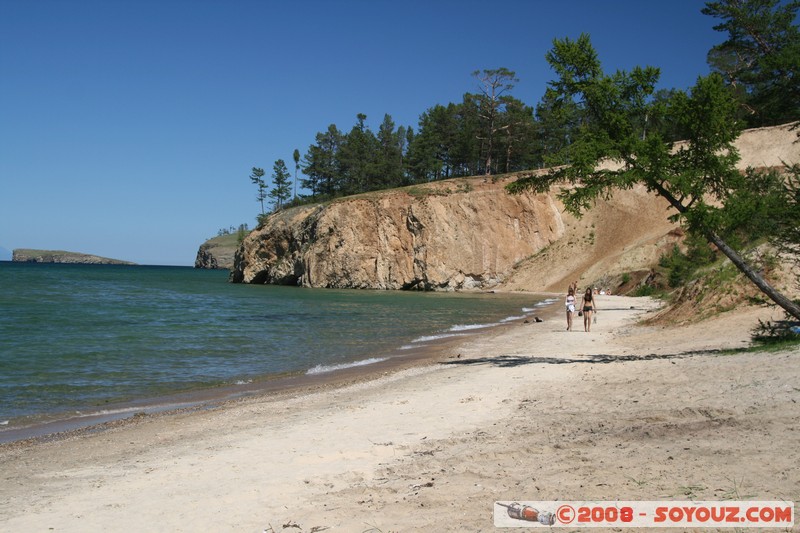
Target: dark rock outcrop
<point>217,253</point>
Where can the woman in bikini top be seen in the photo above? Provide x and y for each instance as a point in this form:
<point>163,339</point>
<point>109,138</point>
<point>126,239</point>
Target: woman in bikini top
<point>588,303</point>
<point>588,308</point>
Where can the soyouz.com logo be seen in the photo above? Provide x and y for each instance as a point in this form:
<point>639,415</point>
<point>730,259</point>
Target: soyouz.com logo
<point>695,514</point>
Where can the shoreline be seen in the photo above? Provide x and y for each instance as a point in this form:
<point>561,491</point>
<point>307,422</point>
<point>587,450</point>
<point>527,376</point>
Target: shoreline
<point>54,426</point>
<point>527,413</point>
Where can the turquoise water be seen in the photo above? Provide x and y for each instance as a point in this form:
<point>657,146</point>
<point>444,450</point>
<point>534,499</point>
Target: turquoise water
<point>74,338</point>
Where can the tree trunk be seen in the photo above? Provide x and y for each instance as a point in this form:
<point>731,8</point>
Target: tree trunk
<point>788,305</point>
<point>785,303</point>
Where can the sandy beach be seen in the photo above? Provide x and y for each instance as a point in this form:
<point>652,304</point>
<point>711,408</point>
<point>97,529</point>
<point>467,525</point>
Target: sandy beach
<point>528,412</point>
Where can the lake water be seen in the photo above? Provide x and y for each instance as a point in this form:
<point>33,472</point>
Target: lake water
<point>77,338</point>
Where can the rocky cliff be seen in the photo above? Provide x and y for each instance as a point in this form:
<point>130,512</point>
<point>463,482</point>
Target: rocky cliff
<point>217,252</point>
<point>464,233</point>
<point>24,255</point>
<point>470,233</point>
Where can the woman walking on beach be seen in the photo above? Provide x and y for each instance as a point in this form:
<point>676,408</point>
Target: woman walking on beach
<point>589,308</point>
<point>570,303</point>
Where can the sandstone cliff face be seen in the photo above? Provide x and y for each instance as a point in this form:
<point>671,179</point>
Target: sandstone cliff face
<point>464,233</point>
<point>630,231</point>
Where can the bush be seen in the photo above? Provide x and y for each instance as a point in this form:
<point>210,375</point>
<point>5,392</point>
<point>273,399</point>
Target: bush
<point>262,219</point>
<point>682,266</point>
<point>646,290</point>
<point>779,332</point>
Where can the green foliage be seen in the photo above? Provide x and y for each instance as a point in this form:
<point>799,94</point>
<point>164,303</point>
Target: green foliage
<point>446,144</point>
<point>296,157</point>
<point>490,131</point>
<point>782,332</point>
<point>420,191</point>
<point>491,104</point>
<point>257,178</point>
<point>785,232</point>
<point>281,191</point>
<point>647,290</point>
<point>388,163</point>
<point>604,115</point>
<point>698,177</point>
<point>759,207</point>
<point>681,266</point>
<point>517,137</point>
<point>342,164</point>
<point>558,118</point>
<point>320,164</point>
<point>357,157</point>
<point>467,138</point>
<point>262,219</point>
<point>241,233</point>
<point>232,229</point>
<point>760,58</point>
<point>585,115</point>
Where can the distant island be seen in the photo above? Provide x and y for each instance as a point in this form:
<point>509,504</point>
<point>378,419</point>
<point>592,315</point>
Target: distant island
<point>25,255</point>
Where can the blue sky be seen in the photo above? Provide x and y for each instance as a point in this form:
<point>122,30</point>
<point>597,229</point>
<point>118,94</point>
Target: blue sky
<point>128,128</point>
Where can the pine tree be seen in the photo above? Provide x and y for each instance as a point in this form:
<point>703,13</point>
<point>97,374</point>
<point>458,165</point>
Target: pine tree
<point>321,164</point>
<point>492,84</point>
<point>282,184</point>
<point>432,154</point>
<point>357,157</point>
<point>257,178</point>
<point>296,156</point>
<point>761,57</point>
<point>389,166</point>
<point>515,144</point>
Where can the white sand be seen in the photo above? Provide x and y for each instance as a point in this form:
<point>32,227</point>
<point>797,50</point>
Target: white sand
<point>528,413</point>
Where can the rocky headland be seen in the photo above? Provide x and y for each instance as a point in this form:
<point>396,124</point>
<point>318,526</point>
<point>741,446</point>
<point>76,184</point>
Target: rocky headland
<point>217,253</point>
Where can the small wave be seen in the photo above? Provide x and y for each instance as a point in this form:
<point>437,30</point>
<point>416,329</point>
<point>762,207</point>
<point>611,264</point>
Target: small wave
<point>429,338</point>
<point>466,327</point>
<point>321,369</point>
<point>243,382</point>
<point>539,305</point>
<point>4,422</point>
<point>107,412</point>
<point>512,318</point>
